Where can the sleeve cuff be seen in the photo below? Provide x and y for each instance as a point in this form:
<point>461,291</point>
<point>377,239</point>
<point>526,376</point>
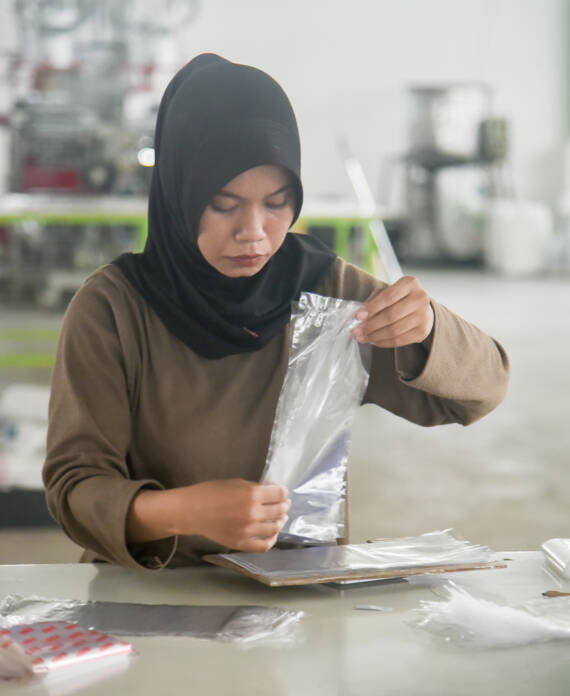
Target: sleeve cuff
<point>101,505</point>
<point>150,555</point>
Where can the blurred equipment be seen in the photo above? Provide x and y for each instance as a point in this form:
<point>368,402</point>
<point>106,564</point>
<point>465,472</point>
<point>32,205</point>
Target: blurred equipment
<point>23,426</point>
<point>49,244</point>
<point>59,147</point>
<point>87,84</point>
<point>84,93</point>
<point>455,164</point>
<point>518,237</point>
<point>353,227</point>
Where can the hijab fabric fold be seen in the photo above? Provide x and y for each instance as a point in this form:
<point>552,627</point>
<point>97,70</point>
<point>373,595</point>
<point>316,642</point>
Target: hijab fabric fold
<point>216,120</point>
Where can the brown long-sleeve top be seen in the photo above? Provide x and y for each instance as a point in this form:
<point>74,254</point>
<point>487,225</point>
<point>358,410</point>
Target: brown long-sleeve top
<point>133,407</point>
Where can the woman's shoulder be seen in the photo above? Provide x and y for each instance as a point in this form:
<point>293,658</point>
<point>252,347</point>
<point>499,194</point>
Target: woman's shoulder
<point>107,285</point>
<point>348,282</point>
<point>105,298</point>
<point>107,279</point>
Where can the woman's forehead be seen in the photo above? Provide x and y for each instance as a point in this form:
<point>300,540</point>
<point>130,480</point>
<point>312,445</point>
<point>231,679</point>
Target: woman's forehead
<point>266,178</point>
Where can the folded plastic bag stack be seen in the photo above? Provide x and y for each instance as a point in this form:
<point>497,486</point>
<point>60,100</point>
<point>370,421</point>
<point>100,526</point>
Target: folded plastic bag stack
<point>402,556</point>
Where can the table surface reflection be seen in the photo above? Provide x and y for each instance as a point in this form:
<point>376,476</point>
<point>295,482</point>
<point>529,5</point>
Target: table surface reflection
<point>337,649</point>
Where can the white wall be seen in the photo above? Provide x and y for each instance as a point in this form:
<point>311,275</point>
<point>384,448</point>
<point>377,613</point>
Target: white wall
<point>346,67</point>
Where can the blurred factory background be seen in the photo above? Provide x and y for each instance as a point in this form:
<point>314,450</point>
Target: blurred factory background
<point>443,125</point>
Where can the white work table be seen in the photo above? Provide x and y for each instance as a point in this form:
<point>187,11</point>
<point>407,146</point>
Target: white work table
<point>337,650</point>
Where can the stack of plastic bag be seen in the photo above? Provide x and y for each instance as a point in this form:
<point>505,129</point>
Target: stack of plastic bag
<point>37,649</point>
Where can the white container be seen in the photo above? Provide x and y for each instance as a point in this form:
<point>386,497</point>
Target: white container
<point>518,237</point>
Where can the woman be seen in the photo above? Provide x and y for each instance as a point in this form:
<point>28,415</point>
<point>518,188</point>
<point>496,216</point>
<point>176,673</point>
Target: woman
<point>171,362</point>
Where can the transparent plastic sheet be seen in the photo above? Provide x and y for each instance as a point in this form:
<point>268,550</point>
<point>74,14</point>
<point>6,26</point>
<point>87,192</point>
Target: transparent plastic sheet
<point>440,548</point>
<point>557,552</point>
<point>242,624</point>
<point>324,385</point>
<point>480,623</point>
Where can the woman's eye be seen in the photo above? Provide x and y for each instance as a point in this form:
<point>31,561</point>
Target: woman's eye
<point>222,207</point>
<point>278,202</point>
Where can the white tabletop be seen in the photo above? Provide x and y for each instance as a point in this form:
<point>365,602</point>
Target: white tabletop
<point>337,649</point>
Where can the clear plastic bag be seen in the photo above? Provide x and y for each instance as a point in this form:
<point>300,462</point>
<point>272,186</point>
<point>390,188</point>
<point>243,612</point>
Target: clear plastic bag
<point>431,550</point>
<point>267,624</point>
<point>325,382</point>
<point>228,623</point>
<point>442,547</point>
<point>480,623</point>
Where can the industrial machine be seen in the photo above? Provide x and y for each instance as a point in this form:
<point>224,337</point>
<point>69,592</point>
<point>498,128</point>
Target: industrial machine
<point>85,87</point>
<point>456,161</point>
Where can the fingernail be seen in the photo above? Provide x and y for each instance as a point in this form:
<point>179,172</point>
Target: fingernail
<point>357,333</point>
<point>362,314</point>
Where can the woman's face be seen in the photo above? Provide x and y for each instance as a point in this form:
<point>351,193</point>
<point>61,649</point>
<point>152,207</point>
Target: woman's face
<point>246,222</point>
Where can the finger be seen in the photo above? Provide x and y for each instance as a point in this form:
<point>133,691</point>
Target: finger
<point>273,511</point>
<point>406,325</point>
<point>257,545</point>
<point>418,323</point>
<point>380,299</point>
<point>405,307</point>
<point>270,493</point>
<point>405,339</point>
<point>264,530</point>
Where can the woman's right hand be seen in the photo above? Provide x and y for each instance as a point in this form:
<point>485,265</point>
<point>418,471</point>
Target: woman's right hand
<point>239,514</point>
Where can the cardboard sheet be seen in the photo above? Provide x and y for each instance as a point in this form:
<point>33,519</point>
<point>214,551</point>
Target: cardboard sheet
<point>276,581</point>
<point>435,552</point>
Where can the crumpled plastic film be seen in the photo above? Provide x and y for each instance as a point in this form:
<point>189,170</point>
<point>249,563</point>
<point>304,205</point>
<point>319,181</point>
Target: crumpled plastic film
<point>228,623</point>
<point>324,385</point>
<point>265,624</point>
<point>479,623</point>
<point>439,548</point>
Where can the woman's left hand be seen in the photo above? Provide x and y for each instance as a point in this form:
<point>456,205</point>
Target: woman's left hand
<point>396,316</point>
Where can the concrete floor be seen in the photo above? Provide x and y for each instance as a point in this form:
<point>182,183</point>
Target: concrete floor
<point>504,481</point>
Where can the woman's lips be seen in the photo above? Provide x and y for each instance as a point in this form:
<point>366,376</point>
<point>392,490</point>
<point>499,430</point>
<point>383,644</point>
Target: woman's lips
<point>247,260</point>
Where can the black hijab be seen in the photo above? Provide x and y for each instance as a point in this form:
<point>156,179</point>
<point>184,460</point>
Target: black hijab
<point>216,120</point>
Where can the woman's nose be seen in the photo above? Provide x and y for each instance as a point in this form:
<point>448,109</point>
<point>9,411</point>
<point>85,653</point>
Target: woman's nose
<point>251,226</point>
